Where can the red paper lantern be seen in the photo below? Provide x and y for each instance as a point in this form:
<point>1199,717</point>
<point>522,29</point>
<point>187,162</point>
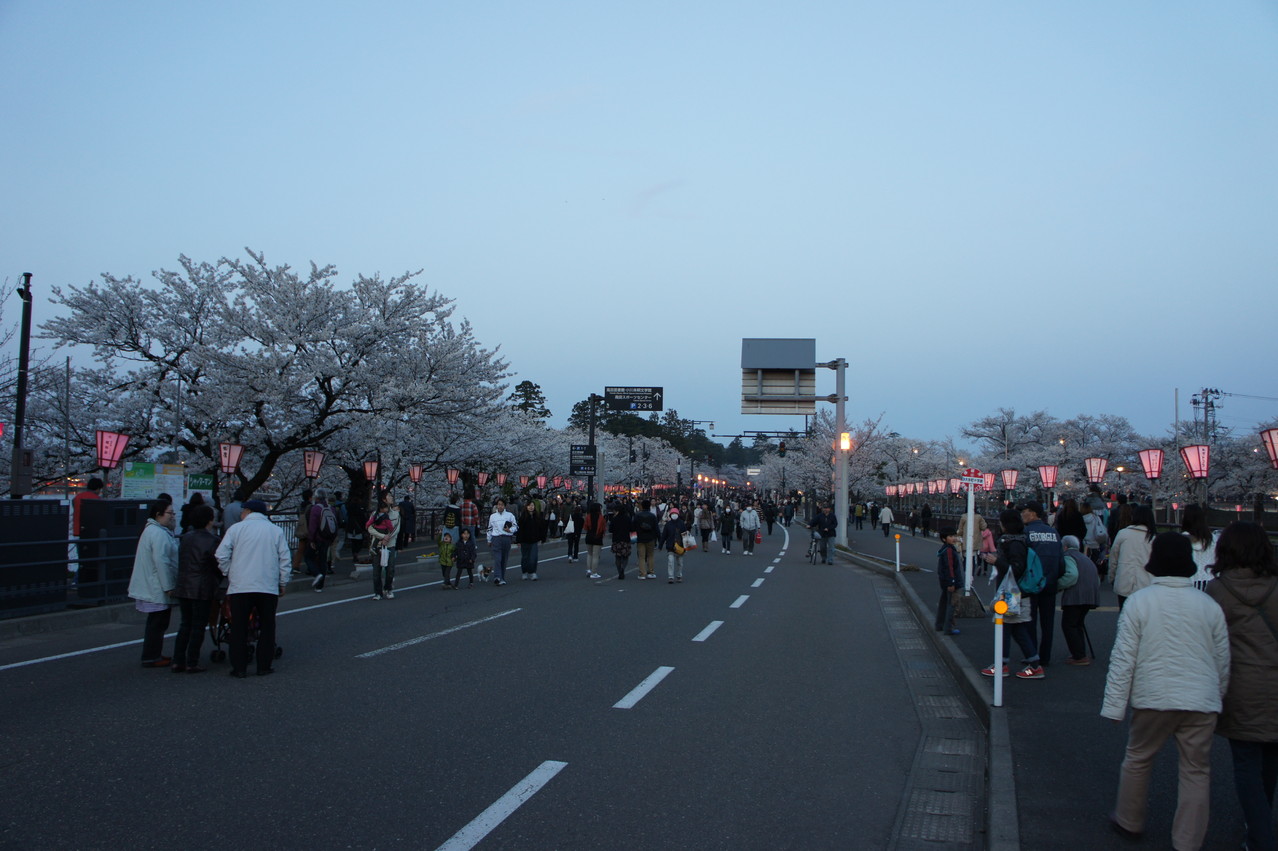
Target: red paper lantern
<point>111,448</point>
<point>415,472</point>
<point>1048,473</point>
<point>483,479</point>
<point>370,470</point>
<point>231,454</point>
<point>989,481</point>
<point>1270,437</point>
<point>1095,469</point>
<point>558,481</point>
<point>1151,461</point>
<point>541,481</point>
<point>1197,459</point>
<point>501,480</point>
<point>452,473</point>
<point>1009,479</point>
<point>312,462</point>
<point>523,481</point>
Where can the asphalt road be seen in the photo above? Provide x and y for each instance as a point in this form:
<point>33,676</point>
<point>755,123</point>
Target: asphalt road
<point>488,717</point>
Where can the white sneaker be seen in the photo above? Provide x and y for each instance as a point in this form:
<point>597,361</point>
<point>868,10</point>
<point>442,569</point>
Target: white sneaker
<point>523,577</point>
<point>594,576</point>
<point>389,595</point>
<point>376,597</point>
<point>534,577</point>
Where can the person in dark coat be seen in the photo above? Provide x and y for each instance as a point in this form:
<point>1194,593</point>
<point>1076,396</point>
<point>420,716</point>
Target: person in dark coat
<point>197,586</point>
<point>670,535</point>
<point>408,523</point>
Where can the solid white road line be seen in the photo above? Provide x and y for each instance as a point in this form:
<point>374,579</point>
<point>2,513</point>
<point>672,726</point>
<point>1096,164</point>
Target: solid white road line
<point>484,823</point>
<point>419,639</point>
<point>708,631</point>
<point>740,601</point>
<point>756,583</point>
<point>640,691</point>
<point>769,568</point>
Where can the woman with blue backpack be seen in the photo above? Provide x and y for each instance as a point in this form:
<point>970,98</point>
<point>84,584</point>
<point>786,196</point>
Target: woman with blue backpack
<point>1013,554</point>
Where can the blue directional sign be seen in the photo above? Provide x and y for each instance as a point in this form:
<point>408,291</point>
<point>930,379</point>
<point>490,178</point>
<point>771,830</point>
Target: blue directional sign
<point>634,398</point>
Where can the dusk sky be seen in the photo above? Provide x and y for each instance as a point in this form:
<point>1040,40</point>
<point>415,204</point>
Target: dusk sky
<point>1061,206</point>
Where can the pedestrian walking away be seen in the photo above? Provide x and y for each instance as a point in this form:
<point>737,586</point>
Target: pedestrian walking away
<point>1246,589</point>
<point>1170,663</point>
<point>255,559</point>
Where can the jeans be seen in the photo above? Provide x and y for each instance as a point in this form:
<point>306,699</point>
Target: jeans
<point>1024,635</point>
<point>241,605</point>
<point>1075,632</point>
<point>1255,776</point>
<point>153,634</point>
<point>1043,622</point>
<point>501,555</point>
<point>190,634</point>
<point>384,576</point>
<point>823,545</point>
<point>528,557</point>
<point>1150,728</point>
<point>747,539</point>
<point>674,566</point>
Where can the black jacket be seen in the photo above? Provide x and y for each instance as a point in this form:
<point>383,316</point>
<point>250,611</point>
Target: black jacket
<point>198,577</point>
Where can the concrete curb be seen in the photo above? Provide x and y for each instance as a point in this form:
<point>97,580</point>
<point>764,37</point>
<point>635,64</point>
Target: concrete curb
<point>1002,827</point>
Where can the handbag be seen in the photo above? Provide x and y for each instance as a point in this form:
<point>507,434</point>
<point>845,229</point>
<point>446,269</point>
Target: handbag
<point>678,549</point>
<point>758,537</point>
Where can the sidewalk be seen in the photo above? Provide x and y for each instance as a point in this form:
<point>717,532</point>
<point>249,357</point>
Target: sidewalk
<point>1053,760</point>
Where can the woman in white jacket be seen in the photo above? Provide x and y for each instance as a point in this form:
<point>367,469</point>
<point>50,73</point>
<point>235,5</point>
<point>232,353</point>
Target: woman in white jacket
<point>1130,553</point>
<point>1170,662</point>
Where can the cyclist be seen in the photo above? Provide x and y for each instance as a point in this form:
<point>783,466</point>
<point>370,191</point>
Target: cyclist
<point>828,526</point>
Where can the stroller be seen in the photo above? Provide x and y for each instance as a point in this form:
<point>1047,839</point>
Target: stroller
<point>221,633</point>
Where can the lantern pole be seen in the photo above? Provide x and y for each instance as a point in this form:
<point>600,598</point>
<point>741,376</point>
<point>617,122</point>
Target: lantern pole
<point>20,469</point>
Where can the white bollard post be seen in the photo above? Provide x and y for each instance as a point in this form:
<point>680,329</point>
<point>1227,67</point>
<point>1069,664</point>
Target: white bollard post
<point>898,552</point>
<point>1000,609</point>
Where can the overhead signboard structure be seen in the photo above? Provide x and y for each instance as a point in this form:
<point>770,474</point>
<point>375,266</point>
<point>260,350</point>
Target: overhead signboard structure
<point>634,398</point>
<point>778,376</point>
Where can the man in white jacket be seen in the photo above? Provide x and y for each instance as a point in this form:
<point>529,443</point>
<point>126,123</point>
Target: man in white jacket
<point>255,557</point>
<point>1170,662</point>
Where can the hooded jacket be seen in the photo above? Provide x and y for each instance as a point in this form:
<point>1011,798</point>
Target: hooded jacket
<point>1250,712</point>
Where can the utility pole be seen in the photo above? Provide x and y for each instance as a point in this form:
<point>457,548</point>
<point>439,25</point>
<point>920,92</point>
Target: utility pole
<point>20,470</point>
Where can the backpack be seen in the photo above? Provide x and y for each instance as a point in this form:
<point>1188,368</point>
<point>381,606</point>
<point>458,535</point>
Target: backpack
<point>328,524</point>
<point>1070,577</point>
<point>1032,580</point>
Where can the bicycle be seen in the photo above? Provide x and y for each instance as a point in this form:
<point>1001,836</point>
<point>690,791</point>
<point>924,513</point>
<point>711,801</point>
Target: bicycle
<point>814,547</point>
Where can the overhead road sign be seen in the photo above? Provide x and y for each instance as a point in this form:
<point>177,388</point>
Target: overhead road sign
<point>634,398</point>
<point>778,376</point>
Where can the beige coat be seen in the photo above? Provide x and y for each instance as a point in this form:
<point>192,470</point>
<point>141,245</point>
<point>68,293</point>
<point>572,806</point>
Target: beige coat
<point>1251,704</point>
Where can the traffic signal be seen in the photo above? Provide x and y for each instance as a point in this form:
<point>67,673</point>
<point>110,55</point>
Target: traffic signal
<point>781,449</point>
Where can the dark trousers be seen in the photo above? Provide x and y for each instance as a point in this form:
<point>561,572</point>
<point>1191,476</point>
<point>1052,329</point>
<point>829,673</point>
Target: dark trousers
<point>1255,776</point>
<point>574,544</point>
<point>887,529</point>
<point>1043,622</point>
<point>528,556</point>
<point>153,634</point>
<point>241,606</point>
<point>1075,633</point>
<point>947,609</point>
<point>1023,634</point>
<point>190,634</point>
